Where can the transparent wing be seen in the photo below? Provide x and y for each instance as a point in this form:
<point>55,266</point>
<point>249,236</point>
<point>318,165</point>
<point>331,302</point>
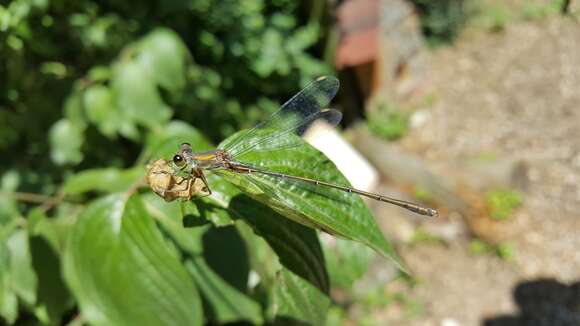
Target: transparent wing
<point>293,117</point>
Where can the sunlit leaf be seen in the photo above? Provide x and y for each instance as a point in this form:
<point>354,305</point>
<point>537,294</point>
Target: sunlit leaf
<point>22,276</point>
<point>164,55</point>
<point>100,108</point>
<point>333,211</point>
<point>137,96</point>
<point>66,140</point>
<point>8,299</point>
<point>122,271</point>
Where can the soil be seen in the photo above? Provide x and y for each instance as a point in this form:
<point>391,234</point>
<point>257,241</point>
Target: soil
<point>513,94</point>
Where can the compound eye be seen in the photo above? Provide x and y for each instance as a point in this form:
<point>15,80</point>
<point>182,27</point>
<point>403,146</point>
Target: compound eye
<point>178,160</point>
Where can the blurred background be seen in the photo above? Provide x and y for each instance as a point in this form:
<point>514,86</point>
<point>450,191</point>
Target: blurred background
<point>468,106</point>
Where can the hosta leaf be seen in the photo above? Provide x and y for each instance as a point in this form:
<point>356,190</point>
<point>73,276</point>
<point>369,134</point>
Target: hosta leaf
<point>333,211</point>
<point>123,272</point>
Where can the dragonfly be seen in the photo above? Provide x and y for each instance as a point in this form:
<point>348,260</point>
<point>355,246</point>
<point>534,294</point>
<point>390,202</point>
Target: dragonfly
<point>185,174</point>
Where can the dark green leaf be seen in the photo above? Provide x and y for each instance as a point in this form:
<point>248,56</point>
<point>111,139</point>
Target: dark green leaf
<point>217,261</point>
<point>122,271</point>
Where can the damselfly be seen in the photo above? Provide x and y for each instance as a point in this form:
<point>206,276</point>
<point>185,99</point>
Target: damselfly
<point>293,117</point>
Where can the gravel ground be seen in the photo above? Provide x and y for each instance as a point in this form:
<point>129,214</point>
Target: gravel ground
<point>516,95</point>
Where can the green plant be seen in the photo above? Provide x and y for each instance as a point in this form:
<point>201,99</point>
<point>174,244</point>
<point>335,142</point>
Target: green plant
<point>388,122</point>
<point>502,203</point>
<point>422,236</point>
<point>89,93</point>
<point>442,21</point>
<point>534,10</point>
<point>505,251</point>
<point>493,17</point>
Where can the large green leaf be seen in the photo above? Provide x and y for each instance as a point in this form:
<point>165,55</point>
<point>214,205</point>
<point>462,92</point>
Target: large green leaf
<point>300,286</point>
<point>288,259</point>
<point>216,260</point>
<point>123,272</point>
<point>333,211</point>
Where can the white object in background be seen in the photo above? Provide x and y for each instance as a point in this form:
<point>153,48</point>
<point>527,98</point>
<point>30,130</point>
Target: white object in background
<point>359,172</point>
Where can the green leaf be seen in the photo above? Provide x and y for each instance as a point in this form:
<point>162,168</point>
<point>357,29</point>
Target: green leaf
<point>300,288</point>
<point>333,211</point>
<point>8,300</point>
<point>296,248</point>
<point>9,182</point>
<point>22,276</point>
<point>137,96</point>
<point>66,140</point>
<point>347,261</point>
<point>166,141</point>
<point>100,108</point>
<point>226,303</point>
<point>123,272</point>
<point>53,297</point>
<point>103,180</point>
<point>299,301</point>
<point>164,55</point>
<point>212,254</point>
<point>46,243</point>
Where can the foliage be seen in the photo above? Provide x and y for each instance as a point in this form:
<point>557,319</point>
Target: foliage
<point>534,10</point>
<point>388,122</point>
<point>493,17</point>
<point>502,203</point>
<point>442,21</point>
<point>90,92</point>
<point>505,251</point>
